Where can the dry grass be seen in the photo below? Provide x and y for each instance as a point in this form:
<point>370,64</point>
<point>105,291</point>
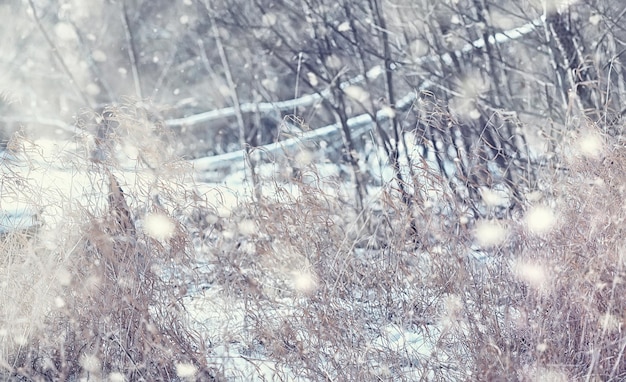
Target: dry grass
<point>322,297</point>
<point>94,296</point>
<point>540,299</point>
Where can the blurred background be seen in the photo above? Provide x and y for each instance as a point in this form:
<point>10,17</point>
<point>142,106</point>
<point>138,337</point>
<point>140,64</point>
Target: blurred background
<point>484,89</point>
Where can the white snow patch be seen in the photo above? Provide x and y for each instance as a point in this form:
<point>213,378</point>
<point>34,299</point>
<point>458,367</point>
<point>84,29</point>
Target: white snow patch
<point>98,56</point>
<point>65,31</point>
<point>304,281</point>
<point>590,145</point>
<point>247,227</point>
<point>412,345</point>
<point>540,220</point>
<point>90,363</point>
<point>117,377</point>
<point>344,27</point>
<point>186,370</point>
<point>489,234</point>
<point>357,93</point>
<point>494,197</point>
<point>533,273</point>
<point>224,319</point>
<point>159,226</point>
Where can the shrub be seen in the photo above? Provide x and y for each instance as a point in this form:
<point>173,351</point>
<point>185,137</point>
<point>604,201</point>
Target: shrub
<point>97,293</point>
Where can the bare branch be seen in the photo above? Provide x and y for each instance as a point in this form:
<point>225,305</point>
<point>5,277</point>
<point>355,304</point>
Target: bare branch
<point>132,52</point>
<point>55,51</point>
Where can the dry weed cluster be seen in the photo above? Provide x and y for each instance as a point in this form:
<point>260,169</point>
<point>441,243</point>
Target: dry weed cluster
<point>392,292</point>
<point>90,296</point>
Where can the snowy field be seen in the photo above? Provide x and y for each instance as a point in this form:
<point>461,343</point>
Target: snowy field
<point>46,180</point>
<point>246,191</point>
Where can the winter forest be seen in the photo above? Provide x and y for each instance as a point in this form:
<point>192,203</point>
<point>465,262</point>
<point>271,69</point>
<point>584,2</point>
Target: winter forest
<point>312,190</point>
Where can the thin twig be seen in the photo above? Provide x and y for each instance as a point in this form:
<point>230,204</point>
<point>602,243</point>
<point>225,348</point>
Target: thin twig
<point>250,163</point>
<point>132,53</point>
<point>55,51</point>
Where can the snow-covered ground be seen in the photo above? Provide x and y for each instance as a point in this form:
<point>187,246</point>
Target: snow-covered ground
<point>224,317</point>
<point>46,180</point>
